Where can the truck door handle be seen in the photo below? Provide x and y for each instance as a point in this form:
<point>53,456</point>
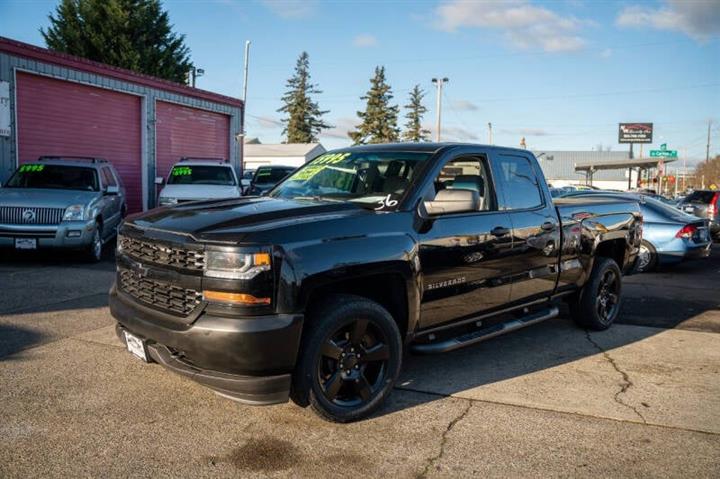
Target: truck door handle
<point>499,231</point>
<point>548,226</point>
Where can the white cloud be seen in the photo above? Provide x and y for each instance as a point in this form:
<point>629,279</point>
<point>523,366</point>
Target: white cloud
<point>267,122</point>
<point>454,133</point>
<point>291,8</point>
<point>464,105</point>
<point>365,40</point>
<point>525,25</point>
<point>341,128</point>
<point>526,132</point>
<point>696,18</point>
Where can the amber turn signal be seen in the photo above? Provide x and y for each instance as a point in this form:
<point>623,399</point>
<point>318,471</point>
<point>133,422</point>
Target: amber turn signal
<point>234,298</point>
<point>261,259</point>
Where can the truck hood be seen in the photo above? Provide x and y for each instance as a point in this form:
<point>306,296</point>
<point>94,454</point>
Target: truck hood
<point>235,218</point>
<point>45,197</point>
<point>199,192</point>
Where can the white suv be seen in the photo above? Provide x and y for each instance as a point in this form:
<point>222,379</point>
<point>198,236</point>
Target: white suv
<point>194,179</point>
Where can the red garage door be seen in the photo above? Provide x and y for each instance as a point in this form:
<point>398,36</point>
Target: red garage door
<point>182,131</point>
<point>64,118</point>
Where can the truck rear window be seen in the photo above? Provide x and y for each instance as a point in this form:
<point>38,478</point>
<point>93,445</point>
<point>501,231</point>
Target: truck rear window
<point>57,177</point>
<point>201,175</point>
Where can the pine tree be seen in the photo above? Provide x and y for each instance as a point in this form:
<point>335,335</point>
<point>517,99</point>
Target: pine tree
<point>304,117</point>
<point>413,128</point>
<point>379,120</point>
<point>132,34</point>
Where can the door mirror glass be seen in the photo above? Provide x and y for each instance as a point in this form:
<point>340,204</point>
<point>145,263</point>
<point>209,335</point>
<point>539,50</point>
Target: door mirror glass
<point>159,180</point>
<point>453,201</point>
<point>112,190</point>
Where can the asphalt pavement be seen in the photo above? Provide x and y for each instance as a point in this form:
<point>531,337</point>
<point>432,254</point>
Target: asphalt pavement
<point>639,400</point>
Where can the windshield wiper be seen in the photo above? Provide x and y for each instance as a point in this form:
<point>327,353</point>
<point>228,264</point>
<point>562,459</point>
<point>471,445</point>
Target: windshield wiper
<point>318,198</point>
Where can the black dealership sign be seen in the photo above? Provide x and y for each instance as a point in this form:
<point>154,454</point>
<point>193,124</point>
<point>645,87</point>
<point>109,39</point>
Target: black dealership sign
<point>635,133</point>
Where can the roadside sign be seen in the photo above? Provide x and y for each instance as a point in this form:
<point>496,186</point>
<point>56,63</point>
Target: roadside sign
<point>663,147</point>
<point>663,153</point>
<point>635,132</point>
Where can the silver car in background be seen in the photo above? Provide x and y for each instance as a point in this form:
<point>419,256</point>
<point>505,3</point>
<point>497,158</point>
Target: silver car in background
<point>62,202</point>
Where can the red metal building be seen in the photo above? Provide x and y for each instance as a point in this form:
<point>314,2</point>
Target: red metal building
<point>64,105</point>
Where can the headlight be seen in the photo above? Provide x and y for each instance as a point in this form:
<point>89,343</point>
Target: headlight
<point>74,213</point>
<point>235,265</point>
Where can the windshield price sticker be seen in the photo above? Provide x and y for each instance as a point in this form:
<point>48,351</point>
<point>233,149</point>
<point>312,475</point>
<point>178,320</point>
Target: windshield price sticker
<point>182,171</point>
<point>307,172</point>
<point>330,159</point>
<point>31,168</point>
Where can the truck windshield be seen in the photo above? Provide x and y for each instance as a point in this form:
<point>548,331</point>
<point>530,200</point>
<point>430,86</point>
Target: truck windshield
<point>59,177</point>
<point>201,175</point>
<point>377,180</point>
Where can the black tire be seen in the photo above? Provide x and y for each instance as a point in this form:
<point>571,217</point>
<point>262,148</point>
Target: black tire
<point>94,250</point>
<point>350,358</point>
<point>598,304</point>
<point>647,258</point>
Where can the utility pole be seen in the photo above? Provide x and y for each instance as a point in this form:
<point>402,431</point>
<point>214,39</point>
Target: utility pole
<point>490,133</point>
<point>193,74</point>
<point>439,82</point>
<point>707,149</point>
<point>244,106</point>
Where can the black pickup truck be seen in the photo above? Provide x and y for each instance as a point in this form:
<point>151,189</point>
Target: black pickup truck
<point>315,290</point>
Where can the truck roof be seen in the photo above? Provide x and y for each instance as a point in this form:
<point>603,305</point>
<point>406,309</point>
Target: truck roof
<point>429,147</point>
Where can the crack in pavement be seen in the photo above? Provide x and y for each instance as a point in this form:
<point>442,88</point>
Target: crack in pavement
<point>626,382</point>
<point>443,440</point>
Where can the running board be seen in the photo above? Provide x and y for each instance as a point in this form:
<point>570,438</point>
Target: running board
<point>475,337</point>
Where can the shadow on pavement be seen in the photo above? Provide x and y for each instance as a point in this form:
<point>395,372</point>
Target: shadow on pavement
<point>14,339</point>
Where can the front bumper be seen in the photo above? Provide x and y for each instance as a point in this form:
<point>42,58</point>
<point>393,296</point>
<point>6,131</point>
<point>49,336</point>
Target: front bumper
<point>249,359</point>
<point>68,234</point>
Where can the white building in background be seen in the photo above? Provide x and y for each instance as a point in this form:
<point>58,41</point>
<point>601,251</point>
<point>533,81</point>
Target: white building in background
<point>559,168</point>
<point>287,154</point>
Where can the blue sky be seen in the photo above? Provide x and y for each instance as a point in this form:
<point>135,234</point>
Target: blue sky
<point>562,74</point>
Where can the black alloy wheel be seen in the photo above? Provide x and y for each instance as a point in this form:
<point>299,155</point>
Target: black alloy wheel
<point>599,301</point>
<point>608,297</point>
<point>350,357</point>
<point>353,363</point>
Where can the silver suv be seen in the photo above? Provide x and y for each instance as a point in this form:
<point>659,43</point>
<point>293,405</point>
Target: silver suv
<point>62,202</point>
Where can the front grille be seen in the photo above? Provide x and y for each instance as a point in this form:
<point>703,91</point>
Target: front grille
<point>147,252</point>
<point>159,294</point>
<point>30,215</point>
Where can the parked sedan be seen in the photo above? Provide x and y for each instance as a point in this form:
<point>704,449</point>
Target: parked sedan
<point>669,235</point>
<point>704,203</point>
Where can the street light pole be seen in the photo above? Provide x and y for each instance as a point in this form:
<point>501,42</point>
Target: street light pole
<point>439,82</point>
<point>490,141</point>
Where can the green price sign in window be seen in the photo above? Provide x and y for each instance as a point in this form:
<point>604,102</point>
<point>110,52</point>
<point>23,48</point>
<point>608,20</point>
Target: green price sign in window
<point>182,171</point>
<point>31,168</point>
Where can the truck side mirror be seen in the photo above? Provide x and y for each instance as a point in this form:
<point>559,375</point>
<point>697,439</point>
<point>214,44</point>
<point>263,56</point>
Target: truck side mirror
<point>112,190</point>
<point>453,201</point>
<point>159,180</point>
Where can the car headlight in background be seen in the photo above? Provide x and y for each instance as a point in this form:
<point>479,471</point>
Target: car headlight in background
<point>235,265</point>
<point>74,213</point>
<point>165,201</point>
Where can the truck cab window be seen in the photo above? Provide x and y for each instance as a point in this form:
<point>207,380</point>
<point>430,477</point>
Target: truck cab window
<point>519,183</point>
<point>468,173</point>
